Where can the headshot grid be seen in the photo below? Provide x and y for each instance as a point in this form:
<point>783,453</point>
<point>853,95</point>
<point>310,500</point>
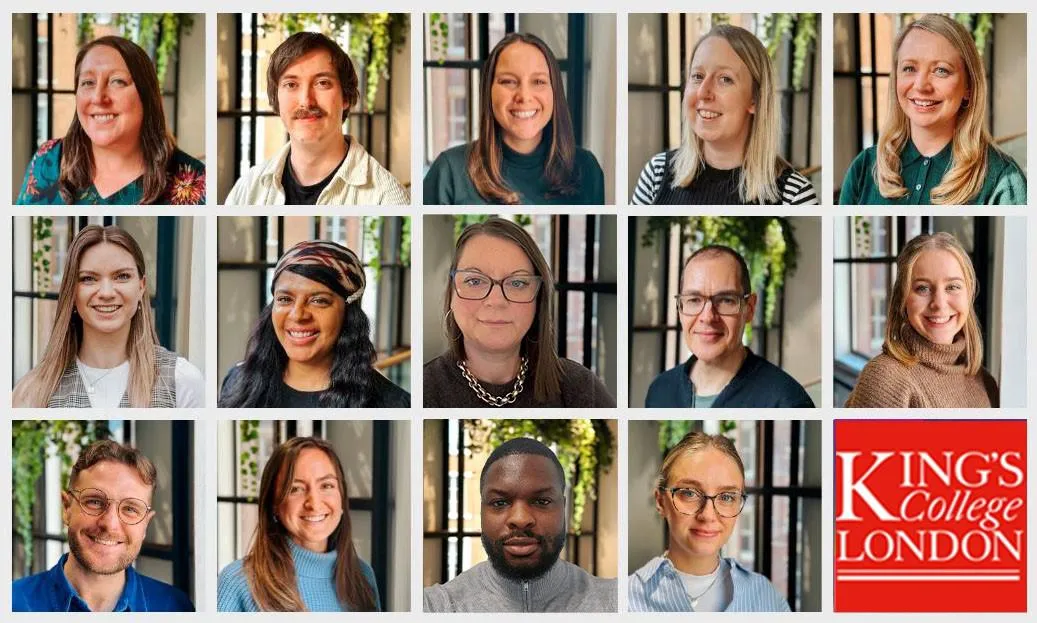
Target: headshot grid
<point>870,363</point>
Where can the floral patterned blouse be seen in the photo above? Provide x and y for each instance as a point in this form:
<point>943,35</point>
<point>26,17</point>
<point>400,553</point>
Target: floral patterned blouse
<point>186,185</point>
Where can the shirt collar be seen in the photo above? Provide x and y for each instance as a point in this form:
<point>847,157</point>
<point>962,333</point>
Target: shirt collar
<point>65,598</point>
<point>910,154</point>
<point>353,171</point>
<point>539,590</point>
<point>662,567</point>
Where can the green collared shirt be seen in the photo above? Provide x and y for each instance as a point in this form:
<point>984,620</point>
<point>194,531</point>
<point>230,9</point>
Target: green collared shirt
<point>1005,182</point>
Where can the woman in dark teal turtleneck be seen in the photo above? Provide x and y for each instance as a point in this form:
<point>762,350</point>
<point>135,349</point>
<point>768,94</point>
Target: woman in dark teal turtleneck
<point>302,556</point>
<point>526,152</point>
<point>935,147</point>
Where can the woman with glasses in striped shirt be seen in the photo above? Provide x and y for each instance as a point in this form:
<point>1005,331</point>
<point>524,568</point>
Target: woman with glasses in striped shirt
<point>700,493</point>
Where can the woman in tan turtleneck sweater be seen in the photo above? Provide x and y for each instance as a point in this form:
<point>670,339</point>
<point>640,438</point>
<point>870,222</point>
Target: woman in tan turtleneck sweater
<point>933,353</point>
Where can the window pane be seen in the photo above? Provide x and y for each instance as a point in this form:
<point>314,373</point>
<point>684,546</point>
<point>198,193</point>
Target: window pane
<point>573,323</point>
<point>779,543</point>
<point>781,477</point>
<point>447,109</point>
<point>871,236</point>
<point>868,289</point>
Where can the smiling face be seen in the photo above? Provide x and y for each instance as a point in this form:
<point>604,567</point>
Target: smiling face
<point>719,95</point>
<point>107,103</point>
<point>494,324</point>
<point>931,81</point>
<point>522,96</point>
<point>105,545</point>
<point>709,335</point>
<point>310,102</point>
<point>108,288</point>
<point>938,301</point>
<point>312,507</point>
<point>523,515</point>
<point>307,318</point>
<point>698,537</point>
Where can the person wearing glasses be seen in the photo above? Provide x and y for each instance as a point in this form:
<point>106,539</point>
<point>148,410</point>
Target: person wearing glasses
<point>715,304</point>
<point>311,345</point>
<point>700,492</point>
<point>499,322</point>
<point>106,509</point>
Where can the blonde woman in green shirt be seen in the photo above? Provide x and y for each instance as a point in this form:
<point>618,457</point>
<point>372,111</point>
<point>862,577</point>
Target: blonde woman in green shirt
<point>935,147</point>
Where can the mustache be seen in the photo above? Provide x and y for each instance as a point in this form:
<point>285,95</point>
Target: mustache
<point>312,111</point>
<point>523,534</point>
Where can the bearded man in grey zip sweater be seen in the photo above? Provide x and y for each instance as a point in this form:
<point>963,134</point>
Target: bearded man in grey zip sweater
<point>522,487</point>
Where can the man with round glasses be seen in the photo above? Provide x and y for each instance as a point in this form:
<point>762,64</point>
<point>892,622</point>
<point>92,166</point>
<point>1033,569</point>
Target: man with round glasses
<point>107,509</point>
<point>715,303</point>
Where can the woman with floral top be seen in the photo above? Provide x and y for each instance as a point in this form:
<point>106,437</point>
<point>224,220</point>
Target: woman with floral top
<point>118,150</point>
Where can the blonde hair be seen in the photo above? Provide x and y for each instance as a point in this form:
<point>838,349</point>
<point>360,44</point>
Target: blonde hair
<point>692,443</point>
<point>36,387</point>
<point>761,164</point>
<point>964,179</point>
<point>897,323</point>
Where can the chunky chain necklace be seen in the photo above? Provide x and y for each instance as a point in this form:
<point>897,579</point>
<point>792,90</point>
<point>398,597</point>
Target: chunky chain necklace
<point>487,397</point>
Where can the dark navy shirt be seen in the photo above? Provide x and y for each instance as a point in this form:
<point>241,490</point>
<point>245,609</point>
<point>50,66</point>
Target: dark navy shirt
<point>50,591</point>
<point>758,383</point>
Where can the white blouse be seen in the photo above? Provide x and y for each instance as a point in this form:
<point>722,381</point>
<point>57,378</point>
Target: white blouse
<point>106,386</point>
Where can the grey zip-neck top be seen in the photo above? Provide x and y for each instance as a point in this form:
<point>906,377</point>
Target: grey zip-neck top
<point>564,588</point>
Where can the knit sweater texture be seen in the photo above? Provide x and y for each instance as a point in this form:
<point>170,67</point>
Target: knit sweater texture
<point>447,181</point>
<point>444,386</point>
<point>938,380</point>
<point>564,588</point>
<point>314,574</point>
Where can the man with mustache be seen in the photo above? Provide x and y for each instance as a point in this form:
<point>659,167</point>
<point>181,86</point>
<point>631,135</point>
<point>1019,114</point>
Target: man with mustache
<point>107,509</point>
<point>522,487</point>
<point>715,304</point>
<point>312,85</point>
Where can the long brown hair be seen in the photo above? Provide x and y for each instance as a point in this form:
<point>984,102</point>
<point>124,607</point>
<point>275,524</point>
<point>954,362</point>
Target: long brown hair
<point>156,143</point>
<point>36,387</point>
<point>538,344</point>
<point>487,154</point>
<point>268,564</point>
<point>897,324</point>
<point>964,179</point>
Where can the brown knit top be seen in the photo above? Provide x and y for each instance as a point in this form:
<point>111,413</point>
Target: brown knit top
<point>938,380</point>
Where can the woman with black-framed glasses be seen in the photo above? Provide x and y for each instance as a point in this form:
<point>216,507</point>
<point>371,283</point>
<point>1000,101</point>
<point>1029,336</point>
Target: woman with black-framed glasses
<point>498,318</point>
<point>700,492</point>
<point>715,303</point>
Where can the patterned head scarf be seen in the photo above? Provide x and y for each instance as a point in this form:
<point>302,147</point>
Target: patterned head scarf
<point>344,262</point>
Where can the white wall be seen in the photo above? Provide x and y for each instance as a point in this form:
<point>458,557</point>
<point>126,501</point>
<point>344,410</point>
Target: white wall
<point>802,314</point>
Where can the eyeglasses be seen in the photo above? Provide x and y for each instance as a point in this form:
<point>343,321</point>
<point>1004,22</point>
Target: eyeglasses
<point>691,501</point>
<point>723,304</point>
<point>473,285</point>
<point>94,502</point>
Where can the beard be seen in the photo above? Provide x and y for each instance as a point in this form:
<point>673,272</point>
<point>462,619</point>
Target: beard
<point>78,551</point>
<point>550,549</point>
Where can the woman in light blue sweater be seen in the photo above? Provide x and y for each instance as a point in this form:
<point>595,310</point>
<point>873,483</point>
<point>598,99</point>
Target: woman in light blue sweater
<point>302,556</point>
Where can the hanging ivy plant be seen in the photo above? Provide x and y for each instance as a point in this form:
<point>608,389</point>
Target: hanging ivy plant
<point>767,243</point>
<point>42,231</point>
<point>248,458</point>
<point>157,33</point>
<point>438,36</point>
<point>802,27</point>
<point>672,431</point>
<point>373,37</point>
<point>584,448</point>
<point>32,442</point>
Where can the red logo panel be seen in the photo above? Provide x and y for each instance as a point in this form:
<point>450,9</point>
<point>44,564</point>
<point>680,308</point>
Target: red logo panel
<point>930,516</point>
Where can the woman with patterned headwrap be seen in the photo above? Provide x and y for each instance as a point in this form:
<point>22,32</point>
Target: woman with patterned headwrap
<point>310,346</point>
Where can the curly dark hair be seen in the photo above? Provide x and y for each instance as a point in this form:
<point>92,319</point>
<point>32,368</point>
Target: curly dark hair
<point>266,360</point>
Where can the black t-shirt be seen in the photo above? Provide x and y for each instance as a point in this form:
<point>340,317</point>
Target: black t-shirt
<point>297,194</point>
<point>384,394</point>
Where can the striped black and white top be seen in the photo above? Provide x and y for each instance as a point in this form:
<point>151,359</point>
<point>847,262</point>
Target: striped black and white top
<point>714,186</point>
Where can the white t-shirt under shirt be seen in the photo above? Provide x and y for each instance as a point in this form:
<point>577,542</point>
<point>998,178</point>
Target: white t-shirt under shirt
<point>110,384</point>
<point>713,598</point>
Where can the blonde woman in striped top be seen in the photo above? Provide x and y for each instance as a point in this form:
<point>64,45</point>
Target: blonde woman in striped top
<point>731,133</point>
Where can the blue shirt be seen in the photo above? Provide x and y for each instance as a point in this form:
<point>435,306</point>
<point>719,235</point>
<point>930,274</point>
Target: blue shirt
<point>656,587</point>
<point>50,591</point>
<point>314,576</point>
